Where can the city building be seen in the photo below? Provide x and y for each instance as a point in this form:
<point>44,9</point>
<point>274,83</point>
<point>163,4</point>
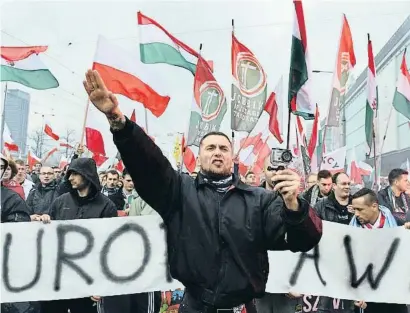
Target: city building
<point>395,148</point>
<point>17,108</point>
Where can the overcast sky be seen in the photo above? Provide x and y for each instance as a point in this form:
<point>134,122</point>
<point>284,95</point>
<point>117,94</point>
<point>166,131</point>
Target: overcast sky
<point>70,29</point>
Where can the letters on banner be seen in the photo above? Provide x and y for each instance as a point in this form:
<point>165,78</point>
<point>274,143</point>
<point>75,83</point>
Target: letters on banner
<point>74,259</point>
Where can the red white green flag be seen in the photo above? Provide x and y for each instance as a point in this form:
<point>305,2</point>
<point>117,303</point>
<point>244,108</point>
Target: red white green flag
<point>401,101</point>
<point>209,105</point>
<point>23,65</point>
<point>300,73</point>
<point>372,99</point>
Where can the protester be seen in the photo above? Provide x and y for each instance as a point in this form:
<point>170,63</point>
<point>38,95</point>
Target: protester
<point>8,179</point>
<point>57,173</point>
<point>311,180</point>
<point>370,215</point>
<point>250,178</point>
<point>42,195</point>
<point>22,178</point>
<point>112,191</point>
<point>35,174</point>
<point>321,189</point>
<point>394,196</point>
<point>223,225</point>
<point>82,202</point>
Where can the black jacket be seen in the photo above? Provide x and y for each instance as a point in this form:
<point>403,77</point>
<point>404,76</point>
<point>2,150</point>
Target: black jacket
<point>71,206</point>
<point>41,197</point>
<point>384,200</point>
<point>13,207</point>
<point>328,209</point>
<point>217,245</point>
<point>116,196</point>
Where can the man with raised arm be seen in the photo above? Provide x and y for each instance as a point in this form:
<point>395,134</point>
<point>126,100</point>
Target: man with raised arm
<point>218,228</point>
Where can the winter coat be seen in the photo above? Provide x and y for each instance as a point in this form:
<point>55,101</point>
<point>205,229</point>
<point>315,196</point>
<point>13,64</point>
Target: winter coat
<point>41,197</point>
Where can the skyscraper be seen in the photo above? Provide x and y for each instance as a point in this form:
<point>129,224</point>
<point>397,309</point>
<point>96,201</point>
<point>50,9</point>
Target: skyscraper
<point>17,108</point>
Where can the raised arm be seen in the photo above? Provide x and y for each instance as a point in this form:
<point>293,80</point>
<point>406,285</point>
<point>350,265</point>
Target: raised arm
<point>154,178</point>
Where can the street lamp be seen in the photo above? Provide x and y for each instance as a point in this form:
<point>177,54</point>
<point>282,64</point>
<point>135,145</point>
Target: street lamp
<point>319,71</point>
<point>43,125</point>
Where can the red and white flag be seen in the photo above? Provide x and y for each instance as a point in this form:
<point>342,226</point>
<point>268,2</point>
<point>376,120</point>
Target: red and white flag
<point>9,143</point>
<point>49,131</point>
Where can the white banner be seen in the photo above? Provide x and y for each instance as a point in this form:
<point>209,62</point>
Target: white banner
<point>80,258</point>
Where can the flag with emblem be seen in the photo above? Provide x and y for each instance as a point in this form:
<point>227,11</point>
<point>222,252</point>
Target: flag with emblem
<point>23,65</point>
<point>208,107</point>
<point>300,74</point>
<point>249,88</point>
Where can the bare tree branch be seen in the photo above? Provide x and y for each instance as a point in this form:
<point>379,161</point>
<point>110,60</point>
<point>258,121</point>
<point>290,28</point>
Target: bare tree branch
<point>69,137</point>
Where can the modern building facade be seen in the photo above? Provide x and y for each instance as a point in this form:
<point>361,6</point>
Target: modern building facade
<point>17,108</point>
<point>395,148</point>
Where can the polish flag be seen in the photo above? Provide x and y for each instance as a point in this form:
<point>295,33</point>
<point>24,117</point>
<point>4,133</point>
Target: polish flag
<point>32,159</point>
<point>9,143</point>
<point>63,162</point>
<point>49,131</point>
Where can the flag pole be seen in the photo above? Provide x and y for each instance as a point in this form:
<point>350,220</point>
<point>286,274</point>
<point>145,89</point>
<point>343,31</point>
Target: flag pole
<point>233,132</point>
<point>146,120</point>
<point>3,116</point>
<point>87,106</point>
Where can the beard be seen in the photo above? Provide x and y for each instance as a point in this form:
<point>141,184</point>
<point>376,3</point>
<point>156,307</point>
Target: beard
<point>216,175</point>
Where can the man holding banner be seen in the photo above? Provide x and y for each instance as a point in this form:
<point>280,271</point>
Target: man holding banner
<point>218,228</point>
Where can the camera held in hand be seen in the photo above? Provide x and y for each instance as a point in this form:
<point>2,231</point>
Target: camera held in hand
<point>280,159</point>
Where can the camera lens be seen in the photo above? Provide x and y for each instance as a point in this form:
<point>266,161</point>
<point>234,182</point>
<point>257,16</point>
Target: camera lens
<point>287,156</point>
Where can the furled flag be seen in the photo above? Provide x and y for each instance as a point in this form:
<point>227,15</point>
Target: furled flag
<point>9,143</point>
<point>372,99</point>
<point>249,88</point>
<point>401,100</point>
<point>300,73</point>
<point>209,105</point>
<point>345,61</point>
<point>49,131</point>
<point>157,45</point>
<point>23,65</point>
<point>123,74</point>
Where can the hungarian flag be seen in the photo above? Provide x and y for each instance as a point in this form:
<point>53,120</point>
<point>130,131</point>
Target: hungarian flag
<point>300,73</point>
<point>123,74</point>
<point>49,131</point>
<point>249,88</point>
<point>9,143</point>
<point>23,65</point>
<point>345,62</point>
<point>401,101</point>
<point>303,146</point>
<point>157,45</point>
<point>372,98</point>
<point>209,105</point>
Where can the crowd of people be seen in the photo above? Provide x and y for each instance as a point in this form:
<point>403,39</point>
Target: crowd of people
<point>219,228</point>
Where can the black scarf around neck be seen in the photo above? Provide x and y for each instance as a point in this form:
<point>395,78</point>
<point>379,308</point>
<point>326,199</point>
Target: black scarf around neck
<point>221,185</point>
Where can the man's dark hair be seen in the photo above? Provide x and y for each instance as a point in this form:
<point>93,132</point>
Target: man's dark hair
<point>249,173</point>
<point>113,172</point>
<point>395,174</point>
<point>335,176</point>
<point>370,195</point>
<point>323,174</point>
<point>125,172</point>
<point>214,133</point>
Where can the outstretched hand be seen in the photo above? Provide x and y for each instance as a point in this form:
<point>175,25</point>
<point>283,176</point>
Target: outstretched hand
<point>98,93</point>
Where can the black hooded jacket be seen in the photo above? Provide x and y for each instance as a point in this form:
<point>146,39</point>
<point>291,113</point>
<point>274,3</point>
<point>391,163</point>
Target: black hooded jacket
<point>71,206</point>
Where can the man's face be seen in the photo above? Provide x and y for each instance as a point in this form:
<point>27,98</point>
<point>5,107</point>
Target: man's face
<point>77,181</point>
<point>251,179</point>
<point>21,172</point>
<point>401,183</point>
<point>364,211</point>
<point>342,186</point>
<point>46,175</point>
<point>27,168</point>
<point>312,180</point>
<point>112,180</point>
<point>325,185</point>
<point>215,156</point>
<point>128,183</point>
<point>57,172</point>
<point>269,172</point>
<point>37,167</point>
